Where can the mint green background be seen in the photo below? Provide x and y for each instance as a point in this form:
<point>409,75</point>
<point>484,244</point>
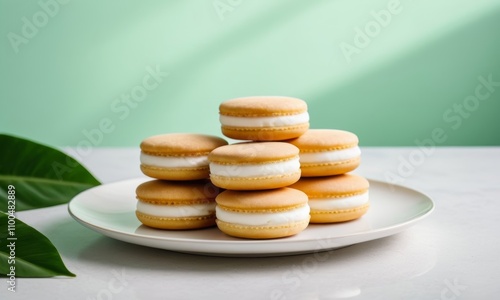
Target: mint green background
<point>65,79</point>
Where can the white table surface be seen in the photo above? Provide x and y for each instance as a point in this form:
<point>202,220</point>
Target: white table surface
<point>452,254</point>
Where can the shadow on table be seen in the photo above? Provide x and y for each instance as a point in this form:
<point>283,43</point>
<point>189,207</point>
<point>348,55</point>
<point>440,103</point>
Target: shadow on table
<point>341,273</point>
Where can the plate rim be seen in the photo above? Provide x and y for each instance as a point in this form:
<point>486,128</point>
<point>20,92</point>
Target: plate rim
<point>386,230</point>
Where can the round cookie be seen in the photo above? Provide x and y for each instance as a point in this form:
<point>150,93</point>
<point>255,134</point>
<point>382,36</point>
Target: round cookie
<point>262,214</point>
<point>178,156</point>
<point>335,199</point>
<point>176,204</point>
<point>264,118</point>
<point>325,152</point>
<point>254,165</point>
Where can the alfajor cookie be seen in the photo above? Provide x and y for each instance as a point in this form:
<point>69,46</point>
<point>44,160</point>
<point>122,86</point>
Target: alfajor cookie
<point>262,214</point>
<point>325,152</point>
<point>254,165</point>
<point>176,204</point>
<point>264,118</point>
<point>335,198</point>
<point>178,156</point>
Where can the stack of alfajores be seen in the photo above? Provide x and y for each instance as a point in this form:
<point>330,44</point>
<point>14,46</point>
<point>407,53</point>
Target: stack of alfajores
<point>278,179</point>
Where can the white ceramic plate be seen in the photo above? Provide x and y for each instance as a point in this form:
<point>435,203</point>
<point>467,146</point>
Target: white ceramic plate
<point>110,210</point>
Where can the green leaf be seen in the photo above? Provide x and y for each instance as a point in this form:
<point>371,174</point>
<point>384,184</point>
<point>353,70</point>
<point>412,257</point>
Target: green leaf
<point>28,251</point>
<point>42,176</point>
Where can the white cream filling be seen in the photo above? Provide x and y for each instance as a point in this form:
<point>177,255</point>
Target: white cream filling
<point>263,219</point>
<point>338,203</point>
<point>328,156</point>
<point>256,170</point>
<point>275,121</point>
<point>174,161</point>
<point>176,211</point>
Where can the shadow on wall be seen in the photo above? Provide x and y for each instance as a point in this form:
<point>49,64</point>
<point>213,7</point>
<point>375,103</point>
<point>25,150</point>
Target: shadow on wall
<point>458,75</point>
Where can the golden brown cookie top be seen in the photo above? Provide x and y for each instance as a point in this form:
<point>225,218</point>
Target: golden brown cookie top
<point>180,144</point>
<point>253,152</point>
<point>262,106</point>
<point>177,192</point>
<point>332,186</point>
<point>325,139</point>
<point>275,199</point>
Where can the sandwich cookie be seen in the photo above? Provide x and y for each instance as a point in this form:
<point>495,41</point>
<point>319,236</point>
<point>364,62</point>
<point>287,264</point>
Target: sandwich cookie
<point>271,118</point>
<point>176,204</point>
<point>335,198</point>
<point>262,214</point>
<point>254,166</point>
<point>178,156</point>
<point>325,152</point>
